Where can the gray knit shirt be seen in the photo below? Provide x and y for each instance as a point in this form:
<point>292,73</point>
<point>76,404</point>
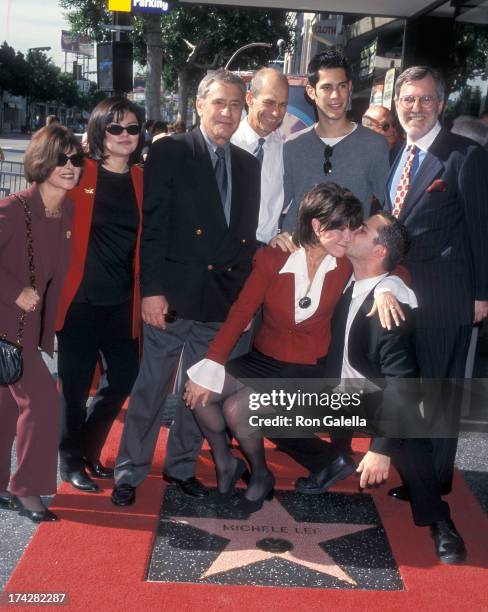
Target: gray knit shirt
<point>359,163</point>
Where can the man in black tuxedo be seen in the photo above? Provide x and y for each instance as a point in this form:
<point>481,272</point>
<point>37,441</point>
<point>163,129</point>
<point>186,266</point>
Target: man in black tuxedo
<point>361,348</point>
<point>439,189</point>
<point>200,213</point>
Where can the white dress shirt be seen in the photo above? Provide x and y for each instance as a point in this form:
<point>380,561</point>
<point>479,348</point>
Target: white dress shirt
<point>360,292</point>
<point>271,177</point>
<point>211,375</point>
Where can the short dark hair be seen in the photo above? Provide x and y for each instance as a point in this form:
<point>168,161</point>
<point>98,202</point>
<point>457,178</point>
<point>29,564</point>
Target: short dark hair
<point>417,73</point>
<point>41,156</point>
<point>333,206</point>
<point>106,111</point>
<point>159,127</point>
<point>394,237</point>
<point>329,59</point>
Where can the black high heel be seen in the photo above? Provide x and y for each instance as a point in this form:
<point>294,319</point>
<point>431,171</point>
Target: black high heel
<point>36,516</point>
<point>218,498</point>
<point>248,506</point>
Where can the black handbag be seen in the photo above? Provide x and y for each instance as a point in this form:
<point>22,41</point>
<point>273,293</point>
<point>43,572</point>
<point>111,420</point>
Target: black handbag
<point>11,363</point>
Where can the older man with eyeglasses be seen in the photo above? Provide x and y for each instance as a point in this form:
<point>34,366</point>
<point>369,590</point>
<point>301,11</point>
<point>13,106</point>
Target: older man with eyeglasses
<point>439,188</point>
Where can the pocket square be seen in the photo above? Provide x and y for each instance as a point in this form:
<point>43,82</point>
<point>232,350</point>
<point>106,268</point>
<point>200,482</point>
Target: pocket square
<point>437,185</point>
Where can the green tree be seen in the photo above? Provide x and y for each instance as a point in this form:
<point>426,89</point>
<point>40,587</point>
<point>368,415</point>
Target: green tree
<point>469,55</point>
<point>14,71</point>
<point>182,45</point>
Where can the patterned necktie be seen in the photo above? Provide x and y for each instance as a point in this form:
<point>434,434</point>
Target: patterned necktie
<point>221,176</point>
<point>259,151</point>
<point>404,182</point>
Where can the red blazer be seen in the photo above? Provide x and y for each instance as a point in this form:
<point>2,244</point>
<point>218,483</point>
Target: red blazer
<point>279,336</point>
<point>83,196</point>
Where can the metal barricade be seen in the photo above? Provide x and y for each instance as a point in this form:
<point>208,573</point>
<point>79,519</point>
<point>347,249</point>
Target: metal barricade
<point>4,192</point>
<point>12,176</point>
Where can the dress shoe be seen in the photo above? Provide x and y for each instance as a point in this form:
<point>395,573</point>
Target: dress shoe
<point>80,480</point>
<point>248,506</point>
<point>449,545</point>
<point>8,502</point>
<point>97,470</point>
<point>191,486</point>
<point>400,493</point>
<point>319,482</point>
<point>123,495</point>
<point>36,516</point>
<point>218,498</point>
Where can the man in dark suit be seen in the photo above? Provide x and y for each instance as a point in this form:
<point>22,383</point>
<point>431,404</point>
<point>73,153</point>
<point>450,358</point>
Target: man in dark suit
<point>361,347</point>
<point>200,213</point>
<point>439,190</point>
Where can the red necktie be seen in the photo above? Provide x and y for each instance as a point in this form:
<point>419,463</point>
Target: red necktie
<point>404,182</point>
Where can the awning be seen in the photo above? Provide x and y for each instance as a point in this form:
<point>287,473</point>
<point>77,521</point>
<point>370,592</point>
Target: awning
<point>472,11</point>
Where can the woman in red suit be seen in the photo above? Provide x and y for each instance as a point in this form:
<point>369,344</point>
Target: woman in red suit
<point>29,407</point>
<point>298,293</point>
<point>98,314</point>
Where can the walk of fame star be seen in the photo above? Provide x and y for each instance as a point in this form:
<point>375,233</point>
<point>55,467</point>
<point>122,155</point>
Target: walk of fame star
<point>273,532</point>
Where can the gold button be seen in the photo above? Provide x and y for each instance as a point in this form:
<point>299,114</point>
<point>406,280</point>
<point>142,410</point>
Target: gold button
<point>209,267</point>
<point>198,232</point>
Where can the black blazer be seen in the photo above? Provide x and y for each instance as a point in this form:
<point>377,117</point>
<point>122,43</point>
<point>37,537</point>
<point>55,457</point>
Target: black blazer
<point>188,253</point>
<point>388,358</point>
<point>448,224</point>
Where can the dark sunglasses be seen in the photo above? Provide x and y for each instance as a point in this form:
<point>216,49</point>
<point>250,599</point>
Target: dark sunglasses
<point>327,163</point>
<point>171,316</point>
<point>77,160</point>
<point>116,130</point>
<point>384,126</point>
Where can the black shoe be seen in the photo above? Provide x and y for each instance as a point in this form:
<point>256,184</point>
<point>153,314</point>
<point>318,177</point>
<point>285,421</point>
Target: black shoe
<point>97,470</point>
<point>449,545</point>
<point>248,506</point>
<point>80,480</point>
<point>400,493</point>
<point>191,486</point>
<point>123,495</point>
<point>218,498</point>
<point>36,516</point>
<point>319,482</point>
<point>7,502</point>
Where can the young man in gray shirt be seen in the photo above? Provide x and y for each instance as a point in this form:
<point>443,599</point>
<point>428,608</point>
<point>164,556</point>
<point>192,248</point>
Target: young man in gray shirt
<point>334,149</point>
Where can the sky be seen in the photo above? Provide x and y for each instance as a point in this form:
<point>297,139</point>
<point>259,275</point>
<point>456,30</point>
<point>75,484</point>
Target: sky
<point>33,23</point>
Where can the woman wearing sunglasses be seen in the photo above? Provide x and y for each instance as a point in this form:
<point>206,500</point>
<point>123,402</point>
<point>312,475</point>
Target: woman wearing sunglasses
<point>35,244</point>
<point>98,316</point>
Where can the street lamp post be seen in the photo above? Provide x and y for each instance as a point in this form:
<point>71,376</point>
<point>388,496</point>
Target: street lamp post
<point>243,48</point>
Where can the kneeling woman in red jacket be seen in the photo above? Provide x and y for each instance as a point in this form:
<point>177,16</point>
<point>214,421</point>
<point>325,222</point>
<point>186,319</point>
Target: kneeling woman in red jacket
<point>98,314</point>
<point>298,293</point>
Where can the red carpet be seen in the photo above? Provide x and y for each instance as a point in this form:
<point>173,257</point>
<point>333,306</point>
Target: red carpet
<point>98,555</point>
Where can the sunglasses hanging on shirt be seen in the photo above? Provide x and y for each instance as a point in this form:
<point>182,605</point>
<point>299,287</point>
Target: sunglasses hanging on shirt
<point>327,167</point>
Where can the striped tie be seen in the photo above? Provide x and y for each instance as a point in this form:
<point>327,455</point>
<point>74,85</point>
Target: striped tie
<point>404,182</point>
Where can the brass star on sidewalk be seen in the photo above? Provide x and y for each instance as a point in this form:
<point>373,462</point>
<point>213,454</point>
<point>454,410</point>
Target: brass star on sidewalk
<point>273,532</point>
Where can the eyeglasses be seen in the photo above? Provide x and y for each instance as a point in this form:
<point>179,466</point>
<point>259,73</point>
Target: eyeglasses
<point>171,316</point>
<point>116,130</point>
<point>327,163</point>
<point>425,101</point>
<point>77,160</point>
<point>384,126</point>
